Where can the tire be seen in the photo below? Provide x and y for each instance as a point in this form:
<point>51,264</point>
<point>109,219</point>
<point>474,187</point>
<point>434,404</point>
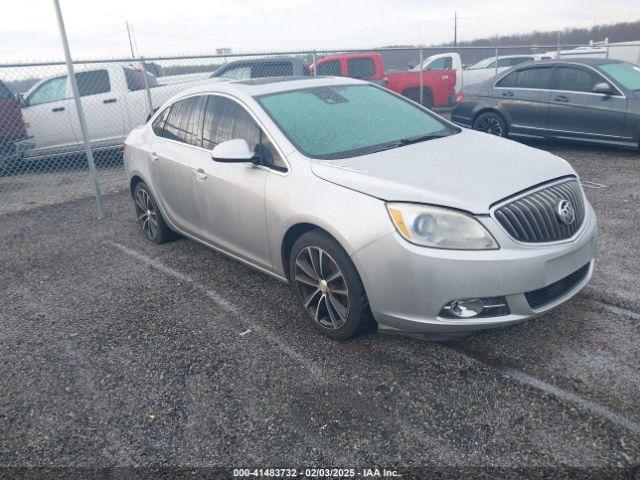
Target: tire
<point>491,122</point>
<point>150,219</point>
<point>414,95</point>
<point>338,307</point>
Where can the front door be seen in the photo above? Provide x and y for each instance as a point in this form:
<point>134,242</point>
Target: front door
<point>231,196</point>
<point>577,111</point>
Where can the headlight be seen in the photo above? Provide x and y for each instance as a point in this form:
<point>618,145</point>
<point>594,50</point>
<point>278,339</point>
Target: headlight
<point>439,227</point>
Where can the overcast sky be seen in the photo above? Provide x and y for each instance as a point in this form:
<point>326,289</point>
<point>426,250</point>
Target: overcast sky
<point>28,29</point>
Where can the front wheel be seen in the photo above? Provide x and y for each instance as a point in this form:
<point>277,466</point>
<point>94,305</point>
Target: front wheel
<point>328,286</point>
<point>491,122</point>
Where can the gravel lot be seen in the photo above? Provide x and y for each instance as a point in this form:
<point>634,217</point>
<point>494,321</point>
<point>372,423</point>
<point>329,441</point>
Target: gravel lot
<point>117,352</point>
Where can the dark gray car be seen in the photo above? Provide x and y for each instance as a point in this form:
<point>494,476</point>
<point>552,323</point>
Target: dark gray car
<point>593,100</point>
<point>263,67</point>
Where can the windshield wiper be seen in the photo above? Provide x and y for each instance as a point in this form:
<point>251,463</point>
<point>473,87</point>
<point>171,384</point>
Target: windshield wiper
<point>419,138</point>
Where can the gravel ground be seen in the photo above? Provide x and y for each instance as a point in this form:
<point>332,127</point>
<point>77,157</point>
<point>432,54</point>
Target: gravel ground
<point>117,352</point>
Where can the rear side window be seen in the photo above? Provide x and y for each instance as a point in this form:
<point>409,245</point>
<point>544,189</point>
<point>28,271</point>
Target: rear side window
<point>533,78</point>
<point>361,67</point>
<point>135,79</point>
<point>182,121</point>
<point>575,79</point>
<point>158,123</point>
<point>443,63</point>
<point>330,68</point>
<point>225,120</point>
<point>275,69</point>
<point>50,91</point>
<point>93,83</point>
<point>509,81</point>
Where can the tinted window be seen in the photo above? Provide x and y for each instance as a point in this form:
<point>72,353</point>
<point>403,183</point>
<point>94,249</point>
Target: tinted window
<point>182,121</point>
<point>509,81</point>
<point>330,68</point>
<point>349,120</point>
<point>158,123</point>
<point>275,69</point>
<point>533,78</point>
<point>93,83</point>
<point>443,63</point>
<point>575,79</point>
<point>4,91</point>
<point>50,91</point>
<point>225,120</point>
<point>135,80</point>
<point>361,67</point>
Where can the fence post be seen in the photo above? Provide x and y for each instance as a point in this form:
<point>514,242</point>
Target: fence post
<point>421,79</point>
<point>81,119</point>
<point>146,86</point>
<point>606,44</point>
<point>313,62</point>
<point>496,61</point>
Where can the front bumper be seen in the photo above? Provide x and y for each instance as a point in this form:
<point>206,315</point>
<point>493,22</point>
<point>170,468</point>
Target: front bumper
<point>408,285</point>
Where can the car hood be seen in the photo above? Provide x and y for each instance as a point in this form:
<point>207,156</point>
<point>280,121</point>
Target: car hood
<point>469,171</point>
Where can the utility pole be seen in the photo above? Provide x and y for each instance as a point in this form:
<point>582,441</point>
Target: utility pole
<point>130,42</point>
<point>455,29</point>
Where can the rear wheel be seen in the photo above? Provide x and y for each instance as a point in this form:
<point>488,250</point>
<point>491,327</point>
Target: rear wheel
<point>491,122</point>
<point>328,286</point>
<point>149,217</point>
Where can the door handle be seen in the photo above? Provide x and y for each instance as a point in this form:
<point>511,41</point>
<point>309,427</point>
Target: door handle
<point>58,109</point>
<point>109,100</point>
<point>562,98</point>
<point>507,94</point>
<point>153,156</point>
<point>199,174</point>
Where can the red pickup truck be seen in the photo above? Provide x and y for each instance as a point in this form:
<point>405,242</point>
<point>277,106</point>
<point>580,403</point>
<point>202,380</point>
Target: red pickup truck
<point>438,86</point>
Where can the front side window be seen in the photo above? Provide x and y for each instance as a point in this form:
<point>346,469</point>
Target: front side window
<point>575,79</point>
<point>225,119</point>
<point>50,91</point>
<point>238,73</point>
<point>625,74</point>
<point>349,120</point>
<point>443,63</point>
<point>93,83</point>
<point>272,69</point>
<point>182,121</point>
<point>330,68</point>
<point>533,78</point>
<point>361,67</point>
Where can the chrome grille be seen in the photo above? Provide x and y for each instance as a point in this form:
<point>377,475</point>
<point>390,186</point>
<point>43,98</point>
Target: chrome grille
<point>533,218</point>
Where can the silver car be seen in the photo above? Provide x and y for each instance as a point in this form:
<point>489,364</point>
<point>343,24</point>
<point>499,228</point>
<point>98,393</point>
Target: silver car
<point>373,208</point>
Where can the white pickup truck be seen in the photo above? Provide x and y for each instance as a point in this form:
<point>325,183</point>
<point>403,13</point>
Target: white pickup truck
<point>113,99</point>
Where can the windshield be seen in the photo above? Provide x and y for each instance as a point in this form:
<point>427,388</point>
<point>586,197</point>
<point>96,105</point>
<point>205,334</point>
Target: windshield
<point>344,121</point>
<point>483,63</point>
<point>626,74</point>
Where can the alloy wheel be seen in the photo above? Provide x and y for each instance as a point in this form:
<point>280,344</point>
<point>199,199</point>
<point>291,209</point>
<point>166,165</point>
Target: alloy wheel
<point>490,125</point>
<point>146,213</point>
<point>322,287</point>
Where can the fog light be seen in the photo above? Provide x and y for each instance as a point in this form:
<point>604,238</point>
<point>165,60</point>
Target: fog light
<point>468,308</point>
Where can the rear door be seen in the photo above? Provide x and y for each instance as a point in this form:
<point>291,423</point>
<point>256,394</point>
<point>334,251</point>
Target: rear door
<point>47,114</point>
<point>523,96</point>
<point>577,111</point>
<point>104,111</point>
<point>173,159</point>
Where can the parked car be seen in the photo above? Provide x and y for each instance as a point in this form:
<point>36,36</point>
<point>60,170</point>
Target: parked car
<point>489,67</point>
<point>593,100</point>
<point>625,51</point>
<point>263,67</point>
<point>113,99</point>
<point>368,204</point>
<point>438,86</point>
<point>11,125</point>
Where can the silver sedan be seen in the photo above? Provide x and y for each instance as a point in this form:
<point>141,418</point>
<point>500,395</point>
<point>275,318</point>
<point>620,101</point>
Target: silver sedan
<point>374,209</point>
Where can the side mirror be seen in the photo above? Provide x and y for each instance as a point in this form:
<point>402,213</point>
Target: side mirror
<point>603,88</point>
<point>21,100</point>
<point>233,151</point>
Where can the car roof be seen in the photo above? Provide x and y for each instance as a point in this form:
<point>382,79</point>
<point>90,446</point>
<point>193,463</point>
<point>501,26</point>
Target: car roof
<point>593,62</point>
<point>263,86</point>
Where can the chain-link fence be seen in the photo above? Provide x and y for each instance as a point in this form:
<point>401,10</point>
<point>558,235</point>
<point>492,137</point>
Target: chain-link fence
<point>42,160</point>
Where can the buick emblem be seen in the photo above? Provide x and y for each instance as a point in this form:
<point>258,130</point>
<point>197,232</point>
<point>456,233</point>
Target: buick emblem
<point>565,212</point>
